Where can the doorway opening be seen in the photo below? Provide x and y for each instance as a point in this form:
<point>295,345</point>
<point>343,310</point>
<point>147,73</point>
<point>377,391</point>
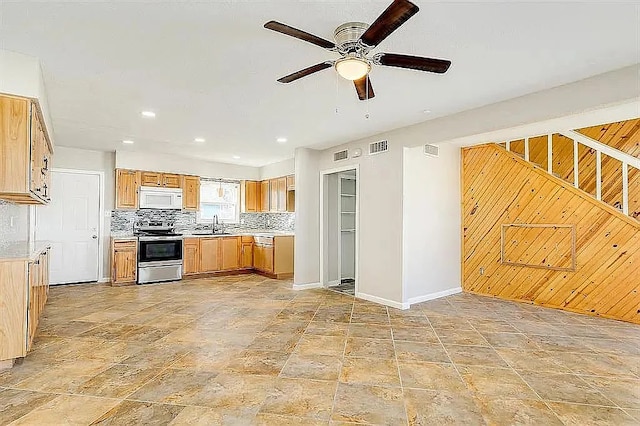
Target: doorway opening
<point>339,195</point>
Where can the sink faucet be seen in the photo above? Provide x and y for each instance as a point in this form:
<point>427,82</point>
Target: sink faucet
<point>215,223</point>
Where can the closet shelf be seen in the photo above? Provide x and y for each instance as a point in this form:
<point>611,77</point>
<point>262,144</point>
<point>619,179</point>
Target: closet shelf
<point>348,195</point>
<point>348,212</point>
<point>347,230</point>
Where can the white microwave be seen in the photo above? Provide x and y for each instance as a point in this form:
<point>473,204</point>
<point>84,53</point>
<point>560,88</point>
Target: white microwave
<point>152,197</point>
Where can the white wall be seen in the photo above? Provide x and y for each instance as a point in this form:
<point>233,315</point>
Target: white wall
<point>380,227</point>
<point>431,224</point>
<point>21,75</point>
<point>100,161</point>
<point>574,99</point>
<point>307,244</point>
<point>175,164</point>
<point>274,170</point>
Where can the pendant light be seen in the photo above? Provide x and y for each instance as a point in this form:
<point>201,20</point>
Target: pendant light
<point>220,191</point>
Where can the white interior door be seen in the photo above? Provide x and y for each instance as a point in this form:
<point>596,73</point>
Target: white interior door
<point>70,222</point>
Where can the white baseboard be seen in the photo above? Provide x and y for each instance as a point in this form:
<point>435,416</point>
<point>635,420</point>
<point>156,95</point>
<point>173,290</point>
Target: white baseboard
<point>306,286</point>
<point>333,283</point>
<point>382,301</point>
<point>104,280</point>
<point>431,296</point>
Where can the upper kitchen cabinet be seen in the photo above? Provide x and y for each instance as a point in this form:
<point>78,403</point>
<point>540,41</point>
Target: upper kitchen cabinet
<point>291,183</point>
<point>150,179</point>
<point>264,196</point>
<point>25,152</point>
<point>166,180</point>
<point>278,195</point>
<point>190,192</point>
<point>171,181</point>
<point>251,194</point>
<point>127,184</point>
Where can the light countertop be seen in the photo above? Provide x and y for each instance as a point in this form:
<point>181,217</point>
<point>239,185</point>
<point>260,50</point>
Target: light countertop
<point>22,250</point>
<point>191,234</point>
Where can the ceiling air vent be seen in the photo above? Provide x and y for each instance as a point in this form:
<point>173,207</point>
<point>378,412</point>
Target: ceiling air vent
<point>341,155</point>
<point>431,150</point>
<point>378,147</point>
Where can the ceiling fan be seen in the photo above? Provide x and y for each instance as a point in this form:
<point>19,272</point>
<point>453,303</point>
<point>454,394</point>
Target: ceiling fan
<point>354,41</point>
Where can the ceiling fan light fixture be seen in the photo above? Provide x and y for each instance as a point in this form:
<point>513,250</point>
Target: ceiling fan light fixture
<point>352,68</point>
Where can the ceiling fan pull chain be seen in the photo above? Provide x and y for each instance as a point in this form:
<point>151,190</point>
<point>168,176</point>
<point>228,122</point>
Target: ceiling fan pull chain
<point>337,93</point>
<point>366,116</point>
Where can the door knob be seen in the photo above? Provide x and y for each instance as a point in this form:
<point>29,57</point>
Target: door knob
<point>95,237</point>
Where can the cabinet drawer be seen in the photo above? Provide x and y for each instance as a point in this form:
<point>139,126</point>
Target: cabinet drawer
<point>124,244</point>
<point>247,239</point>
<point>265,241</point>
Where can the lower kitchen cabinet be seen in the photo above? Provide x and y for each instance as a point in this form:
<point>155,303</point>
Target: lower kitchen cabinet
<point>24,287</point>
<point>230,248</point>
<point>124,264</point>
<point>210,254</point>
<point>274,255</point>
<point>246,252</point>
<point>191,256</point>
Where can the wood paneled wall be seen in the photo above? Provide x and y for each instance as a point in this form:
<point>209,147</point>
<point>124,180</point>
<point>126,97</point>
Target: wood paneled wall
<point>501,188</point>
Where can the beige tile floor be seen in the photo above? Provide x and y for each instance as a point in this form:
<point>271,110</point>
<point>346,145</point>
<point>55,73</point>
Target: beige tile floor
<point>247,350</point>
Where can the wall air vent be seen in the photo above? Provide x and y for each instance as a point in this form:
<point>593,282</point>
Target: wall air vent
<point>378,147</point>
<point>341,155</point>
<point>431,150</point>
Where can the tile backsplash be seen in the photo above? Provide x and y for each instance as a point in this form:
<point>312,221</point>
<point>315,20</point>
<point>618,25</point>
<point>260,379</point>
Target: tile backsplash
<point>14,222</point>
<point>122,220</point>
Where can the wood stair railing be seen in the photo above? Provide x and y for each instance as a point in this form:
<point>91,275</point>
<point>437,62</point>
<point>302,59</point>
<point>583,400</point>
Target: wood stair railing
<point>607,174</point>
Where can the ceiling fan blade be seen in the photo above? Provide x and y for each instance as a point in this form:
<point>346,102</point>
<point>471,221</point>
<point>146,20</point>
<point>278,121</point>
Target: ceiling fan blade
<point>439,66</point>
<point>364,88</point>
<point>305,72</point>
<point>390,20</point>
<point>302,35</point>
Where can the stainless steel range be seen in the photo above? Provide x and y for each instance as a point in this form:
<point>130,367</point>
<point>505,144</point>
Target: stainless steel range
<point>159,252</point>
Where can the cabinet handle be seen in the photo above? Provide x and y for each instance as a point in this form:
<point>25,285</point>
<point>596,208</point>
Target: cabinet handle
<point>46,163</point>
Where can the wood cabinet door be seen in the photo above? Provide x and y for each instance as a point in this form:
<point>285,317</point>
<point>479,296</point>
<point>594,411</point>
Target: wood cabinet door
<point>258,257</point>
<point>14,145</point>
<point>191,193</point>
<point>230,253</point>
<point>36,152</point>
<point>210,254</point>
<point>273,195</point>
<point>150,179</point>
<point>171,180</point>
<point>34,277</point>
<point>246,256</point>
<point>291,183</point>
<point>267,265</point>
<point>127,189</point>
<point>251,196</point>
<point>191,256</point>
<point>282,194</point>
<point>124,265</point>
<point>264,196</point>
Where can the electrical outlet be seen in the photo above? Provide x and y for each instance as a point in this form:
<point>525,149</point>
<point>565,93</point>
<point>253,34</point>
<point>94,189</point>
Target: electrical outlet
<point>481,271</point>
<point>241,221</point>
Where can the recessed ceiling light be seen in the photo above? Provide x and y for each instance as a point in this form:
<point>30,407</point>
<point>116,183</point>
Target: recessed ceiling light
<point>426,111</point>
<point>127,141</point>
<point>149,114</point>
<point>236,157</point>
<point>281,140</point>
<point>199,140</point>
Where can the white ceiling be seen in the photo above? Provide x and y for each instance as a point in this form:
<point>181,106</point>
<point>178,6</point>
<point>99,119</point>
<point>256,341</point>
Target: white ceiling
<point>210,69</point>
